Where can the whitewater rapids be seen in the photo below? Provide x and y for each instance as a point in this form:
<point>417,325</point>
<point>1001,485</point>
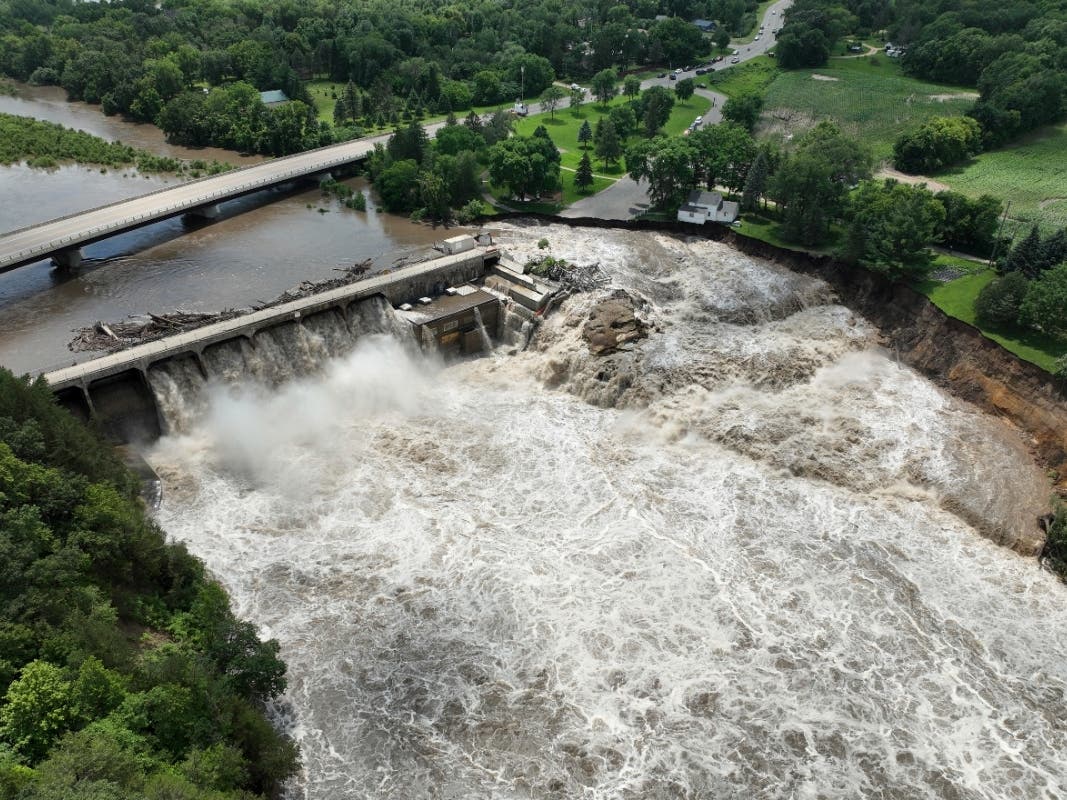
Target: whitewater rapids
<point>749,557</point>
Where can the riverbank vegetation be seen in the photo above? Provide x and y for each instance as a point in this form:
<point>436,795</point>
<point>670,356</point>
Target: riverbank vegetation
<point>123,671</point>
<point>46,145</point>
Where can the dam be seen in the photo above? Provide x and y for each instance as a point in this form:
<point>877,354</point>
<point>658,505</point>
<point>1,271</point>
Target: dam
<point>439,304</point>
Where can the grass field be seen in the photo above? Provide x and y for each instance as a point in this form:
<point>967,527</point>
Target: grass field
<point>869,98</point>
<point>1032,174</point>
<point>956,298</point>
<point>752,76</point>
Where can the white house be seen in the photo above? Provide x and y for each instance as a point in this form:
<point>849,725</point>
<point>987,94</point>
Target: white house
<point>703,207</point>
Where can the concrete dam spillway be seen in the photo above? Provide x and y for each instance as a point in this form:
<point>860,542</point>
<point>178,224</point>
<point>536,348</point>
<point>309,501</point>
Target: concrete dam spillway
<point>748,554</point>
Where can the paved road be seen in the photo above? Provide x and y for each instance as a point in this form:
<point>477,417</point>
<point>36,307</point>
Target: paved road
<point>626,198</point>
<point>34,243</point>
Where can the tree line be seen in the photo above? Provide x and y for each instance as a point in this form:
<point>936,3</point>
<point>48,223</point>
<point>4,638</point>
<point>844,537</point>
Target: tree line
<point>124,675</point>
<point>155,63</point>
<point>1014,54</point>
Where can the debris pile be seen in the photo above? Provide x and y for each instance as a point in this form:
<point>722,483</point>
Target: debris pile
<point>115,336</point>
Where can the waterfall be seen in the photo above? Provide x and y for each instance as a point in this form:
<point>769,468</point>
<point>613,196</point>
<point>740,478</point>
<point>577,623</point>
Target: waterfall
<point>487,345</point>
<point>272,357</point>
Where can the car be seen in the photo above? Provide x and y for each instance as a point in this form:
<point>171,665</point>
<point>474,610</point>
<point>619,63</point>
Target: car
<point>758,36</point>
<point>662,75</point>
<point>575,86</point>
<point>735,52</point>
<point>686,68</point>
<point>716,60</point>
<point>698,120</point>
<point>701,71</point>
<point>734,60</point>
<point>678,71</point>
<point>673,77</point>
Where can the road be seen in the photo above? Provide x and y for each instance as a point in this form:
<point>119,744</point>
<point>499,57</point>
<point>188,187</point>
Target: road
<point>626,198</point>
<point>37,242</point>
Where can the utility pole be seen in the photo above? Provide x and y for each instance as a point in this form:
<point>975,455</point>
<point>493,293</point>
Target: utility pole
<point>1000,228</point>
<point>522,83</point>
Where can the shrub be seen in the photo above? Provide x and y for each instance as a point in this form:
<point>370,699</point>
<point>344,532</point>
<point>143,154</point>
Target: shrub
<point>997,305</point>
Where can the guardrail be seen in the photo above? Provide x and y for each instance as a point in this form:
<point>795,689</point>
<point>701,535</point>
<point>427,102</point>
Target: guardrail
<point>170,210</point>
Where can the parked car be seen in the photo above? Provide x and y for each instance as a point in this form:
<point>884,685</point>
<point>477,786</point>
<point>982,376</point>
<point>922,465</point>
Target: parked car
<point>678,71</point>
<point>734,60</point>
<point>673,77</point>
<point>686,68</point>
<point>716,60</point>
<point>735,52</point>
<point>701,71</point>
<point>662,75</point>
<point>697,121</point>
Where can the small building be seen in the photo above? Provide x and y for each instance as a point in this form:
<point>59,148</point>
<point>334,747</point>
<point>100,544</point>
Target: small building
<point>457,244</point>
<point>275,97</point>
<point>705,25</point>
<point>457,323</point>
<point>701,207</point>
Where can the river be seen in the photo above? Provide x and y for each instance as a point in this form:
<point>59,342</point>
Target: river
<point>741,559</point>
<point>262,245</point>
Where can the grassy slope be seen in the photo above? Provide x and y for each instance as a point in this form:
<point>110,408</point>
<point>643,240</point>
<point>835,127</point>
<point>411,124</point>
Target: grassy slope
<point>871,99</point>
<point>1032,174</point>
<point>956,298</point>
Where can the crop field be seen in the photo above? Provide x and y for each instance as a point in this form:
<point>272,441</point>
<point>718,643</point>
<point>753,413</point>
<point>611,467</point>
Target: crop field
<point>1032,174</point>
<point>869,98</point>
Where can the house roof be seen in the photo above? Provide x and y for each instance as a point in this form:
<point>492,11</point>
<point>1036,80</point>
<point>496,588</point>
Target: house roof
<point>273,96</point>
<point>704,199</point>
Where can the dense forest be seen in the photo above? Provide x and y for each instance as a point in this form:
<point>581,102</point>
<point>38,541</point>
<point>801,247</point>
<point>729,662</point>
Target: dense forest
<point>195,67</point>
<point>123,673</point>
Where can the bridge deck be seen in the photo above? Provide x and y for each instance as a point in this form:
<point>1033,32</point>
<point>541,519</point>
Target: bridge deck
<point>40,241</point>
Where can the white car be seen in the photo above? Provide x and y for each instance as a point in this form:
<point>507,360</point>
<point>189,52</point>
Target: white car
<point>734,60</point>
<point>698,120</point>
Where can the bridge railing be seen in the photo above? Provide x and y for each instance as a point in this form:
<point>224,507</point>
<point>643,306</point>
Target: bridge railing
<point>167,211</point>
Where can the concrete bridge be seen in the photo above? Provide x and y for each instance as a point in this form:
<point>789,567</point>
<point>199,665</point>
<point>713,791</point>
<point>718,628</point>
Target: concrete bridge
<point>115,390</point>
<point>63,238</point>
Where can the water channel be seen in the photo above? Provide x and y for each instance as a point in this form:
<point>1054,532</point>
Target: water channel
<point>739,560</point>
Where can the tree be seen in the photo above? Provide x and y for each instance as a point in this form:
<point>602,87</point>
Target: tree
<point>744,109</point>
<point>684,88</point>
<point>577,94</point>
<point>678,40</point>
<point>937,143</point>
<point>631,86</point>
<point>585,134</point>
<point>808,196</point>
<point>604,85</point>
<point>999,301</point>
<point>723,154</point>
<point>624,119</point>
<point>891,226</point>
<point>1027,256</point>
<point>667,164</point>
<point>525,166</point>
<point>340,113</point>
<point>970,225</point>
<point>1045,304</point>
<point>755,182</point>
<point>583,176</point>
<point>397,186</point>
<point>656,105</point>
<point>722,38</point>
<point>606,142</point>
<point>38,709</point>
<point>551,98</point>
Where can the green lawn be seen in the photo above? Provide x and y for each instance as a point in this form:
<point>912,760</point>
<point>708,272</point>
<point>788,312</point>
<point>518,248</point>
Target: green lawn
<point>765,228</point>
<point>956,298</point>
<point>869,98</point>
<point>751,76</point>
<point>1032,174</point>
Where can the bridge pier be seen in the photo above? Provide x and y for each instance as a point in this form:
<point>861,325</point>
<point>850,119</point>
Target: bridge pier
<point>204,212</point>
<point>68,259</point>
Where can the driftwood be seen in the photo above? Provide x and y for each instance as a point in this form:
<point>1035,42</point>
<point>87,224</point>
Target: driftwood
<point>115,336</point>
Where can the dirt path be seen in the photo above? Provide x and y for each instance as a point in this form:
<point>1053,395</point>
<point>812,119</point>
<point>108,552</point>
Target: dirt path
<point>931,184</point>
